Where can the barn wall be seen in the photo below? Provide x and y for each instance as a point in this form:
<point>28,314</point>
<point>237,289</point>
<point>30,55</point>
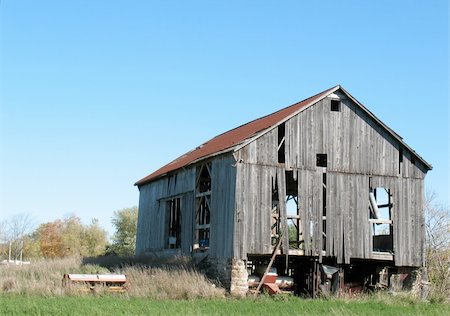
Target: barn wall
<point>359,152</point>
<point>152,210</point>
<point>348,228</point>
<point>223,181</point>
<point>353,141</point>
<point>151,231</point>
<point>253,209</point>
<point>408,217</point>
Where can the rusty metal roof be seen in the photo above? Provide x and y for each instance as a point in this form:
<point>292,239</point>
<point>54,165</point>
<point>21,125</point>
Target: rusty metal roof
<point>229,140</point>
<point>240,136</point>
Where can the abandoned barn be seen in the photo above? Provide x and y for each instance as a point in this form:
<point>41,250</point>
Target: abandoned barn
<point>322,193</point>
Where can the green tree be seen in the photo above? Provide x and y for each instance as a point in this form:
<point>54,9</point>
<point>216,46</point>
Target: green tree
<point>32,247</point>
<point>95,239</point>
<point>72,237</point>
<point>125,223</point>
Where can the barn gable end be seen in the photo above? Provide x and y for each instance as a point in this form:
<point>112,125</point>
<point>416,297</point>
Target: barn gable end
<point>360,154</point>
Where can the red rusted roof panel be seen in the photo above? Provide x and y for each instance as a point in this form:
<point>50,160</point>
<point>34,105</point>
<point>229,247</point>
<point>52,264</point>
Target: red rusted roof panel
<point>232,138</point>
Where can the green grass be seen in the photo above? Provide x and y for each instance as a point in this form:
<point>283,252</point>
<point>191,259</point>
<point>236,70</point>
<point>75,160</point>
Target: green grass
<point>109,305</point>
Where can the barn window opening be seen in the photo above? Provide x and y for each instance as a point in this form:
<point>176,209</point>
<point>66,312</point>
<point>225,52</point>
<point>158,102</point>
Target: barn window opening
<point>321,160</point>
<point>380,217</point>
<point>204,178</point>
<point>292,211</point>
<point>174,223</point>
<point>203,204</point>
<point>275,226</point>
<point>335,105</point>
<point>281,143</point>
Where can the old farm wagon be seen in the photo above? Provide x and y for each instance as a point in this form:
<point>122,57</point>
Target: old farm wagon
<point>323,187</point>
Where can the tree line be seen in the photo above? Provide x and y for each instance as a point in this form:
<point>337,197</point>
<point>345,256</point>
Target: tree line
<point>20,239</point>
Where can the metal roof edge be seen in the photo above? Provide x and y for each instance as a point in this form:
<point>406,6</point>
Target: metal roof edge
<point>325,94</point>
<point>230,149</point>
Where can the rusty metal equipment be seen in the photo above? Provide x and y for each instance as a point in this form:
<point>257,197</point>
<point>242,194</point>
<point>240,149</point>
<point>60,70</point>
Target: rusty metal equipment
<point>93,282</point>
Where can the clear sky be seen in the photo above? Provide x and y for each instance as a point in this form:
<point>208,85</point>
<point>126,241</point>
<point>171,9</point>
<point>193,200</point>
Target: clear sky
<point>95,95</point>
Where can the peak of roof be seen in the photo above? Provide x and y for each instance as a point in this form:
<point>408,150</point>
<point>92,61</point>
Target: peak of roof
<point>229,140</point>
<point>242,135</point>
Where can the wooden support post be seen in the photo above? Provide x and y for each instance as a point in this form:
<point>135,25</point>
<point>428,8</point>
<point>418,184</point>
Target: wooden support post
<point>274,254</point>
<point>314,279</point>
<point>341,281</point>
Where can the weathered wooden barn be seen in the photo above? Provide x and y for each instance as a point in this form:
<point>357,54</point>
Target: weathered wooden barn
<point>324,180</point>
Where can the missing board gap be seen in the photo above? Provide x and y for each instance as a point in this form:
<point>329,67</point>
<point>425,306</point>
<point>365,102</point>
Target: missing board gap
<point>281,143</point>
<point>321,160</point>
<point>335,105</point>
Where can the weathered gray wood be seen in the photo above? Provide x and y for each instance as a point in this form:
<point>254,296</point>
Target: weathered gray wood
<point>151,234</point>
<point>358,150</point>
<point>187,214</point>
<point>223,182</point>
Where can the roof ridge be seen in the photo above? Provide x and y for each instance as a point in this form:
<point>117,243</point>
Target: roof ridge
<point>280,110</point>
<point>233,137</point>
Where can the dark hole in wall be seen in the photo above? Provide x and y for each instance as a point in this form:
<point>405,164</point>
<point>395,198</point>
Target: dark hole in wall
<point>335,105</point>
<point>321,160</point>
<point>281,143</point>
<point>204,179</point>
<point>174,218</point>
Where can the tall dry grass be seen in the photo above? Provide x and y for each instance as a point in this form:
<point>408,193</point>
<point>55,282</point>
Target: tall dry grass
<point>158,283</point>
<point>43,277</point>
<point>161,281</point>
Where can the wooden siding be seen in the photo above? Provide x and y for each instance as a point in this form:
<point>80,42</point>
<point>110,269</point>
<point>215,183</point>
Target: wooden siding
<point>152,210</point>
<point>408,218</point>
<point>253,209</point>
<point>358,149</point>
<point>353,142</point>
<point>348,229</point>
<point>223,180</point>
<point>310,205</point>
<point>151,230</point>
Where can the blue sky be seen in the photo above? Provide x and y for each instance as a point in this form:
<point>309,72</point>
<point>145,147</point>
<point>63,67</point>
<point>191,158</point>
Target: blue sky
<point>95,95</point>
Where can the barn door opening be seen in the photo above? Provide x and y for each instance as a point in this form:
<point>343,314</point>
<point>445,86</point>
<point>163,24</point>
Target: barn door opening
<point>275,214</point>
<point>293,212</point>
<point>174,223</point>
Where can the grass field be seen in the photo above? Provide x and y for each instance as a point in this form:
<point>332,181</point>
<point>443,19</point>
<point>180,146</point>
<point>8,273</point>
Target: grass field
<point>172,288</point>
<point>108,305</point>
